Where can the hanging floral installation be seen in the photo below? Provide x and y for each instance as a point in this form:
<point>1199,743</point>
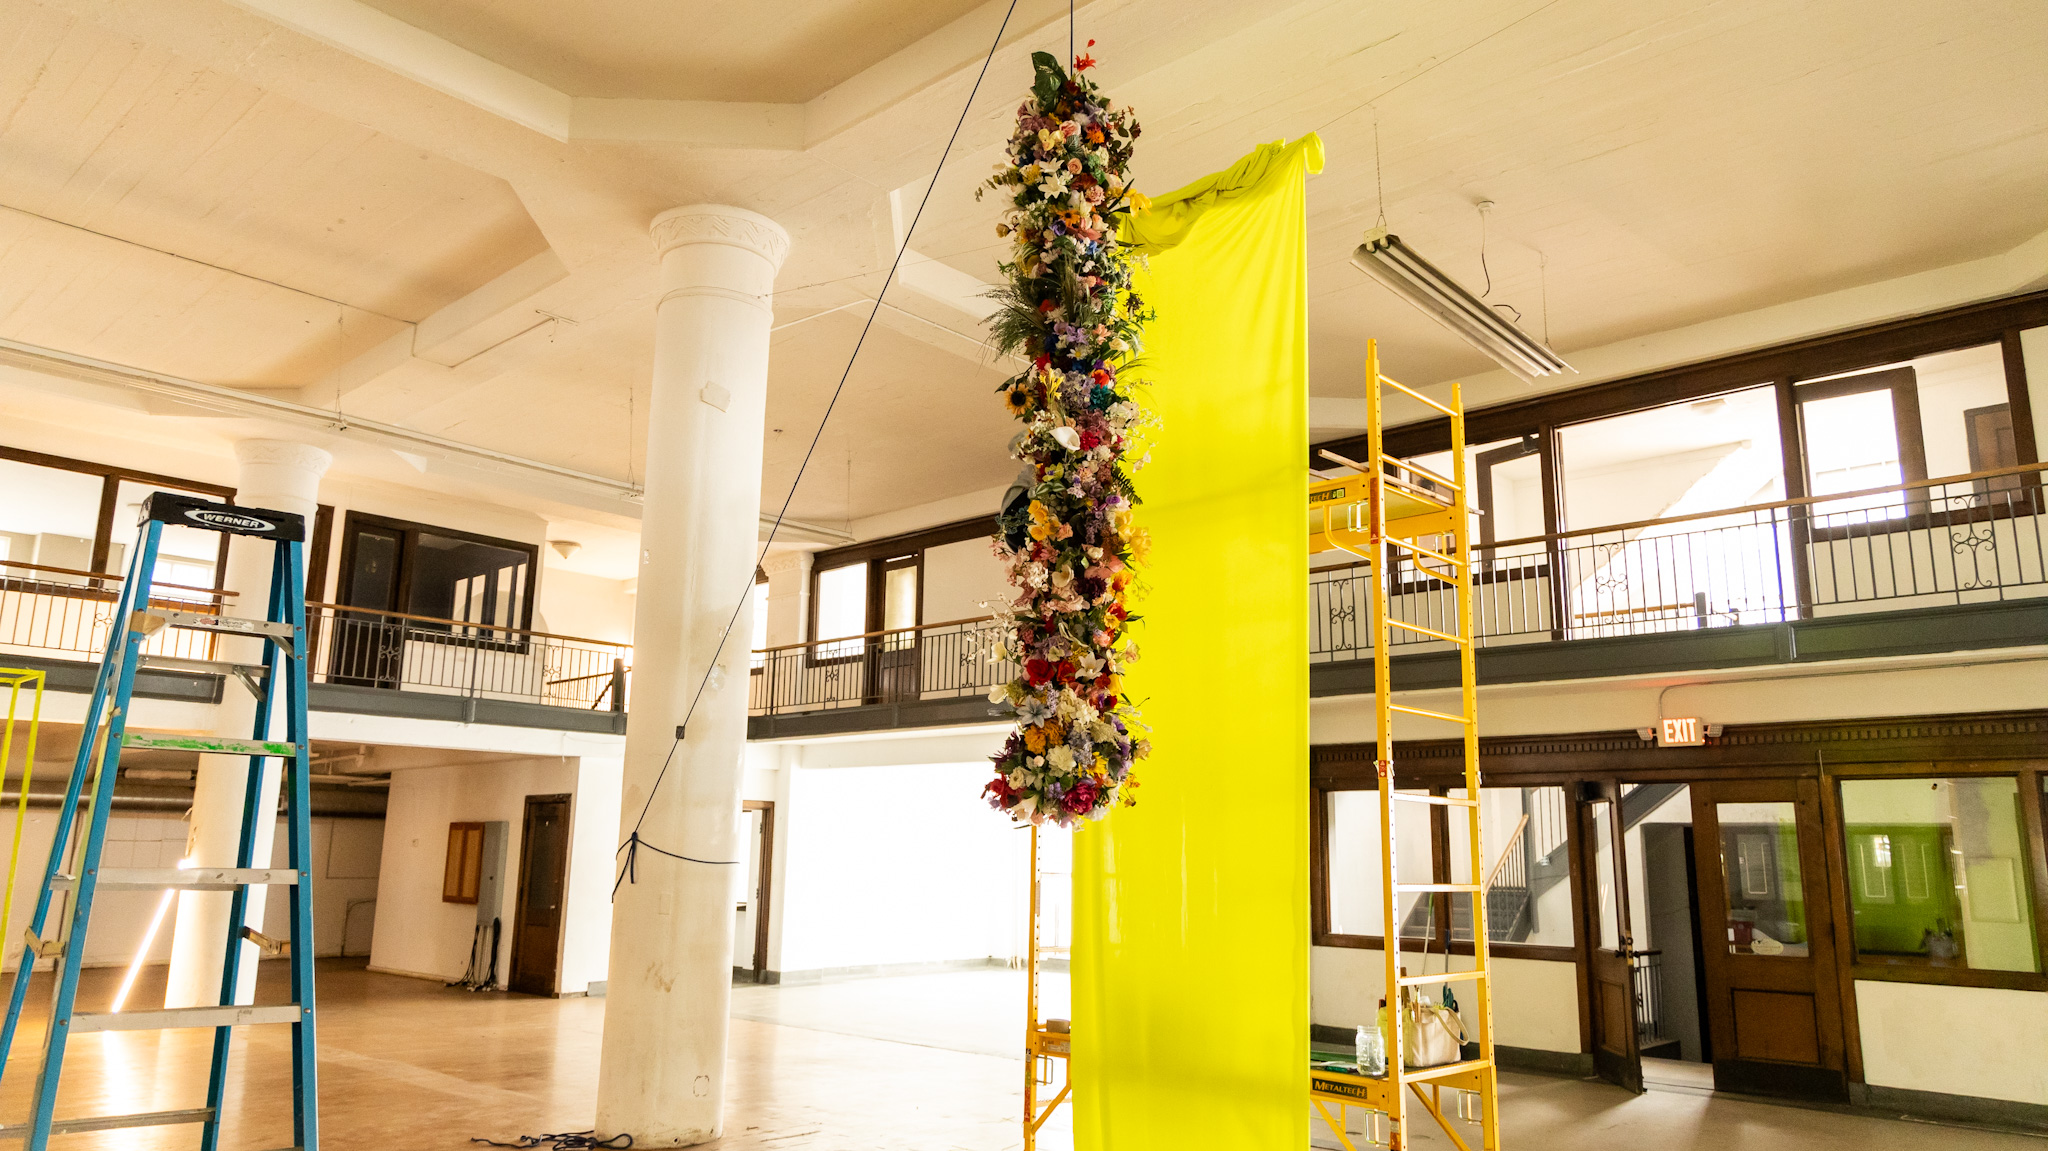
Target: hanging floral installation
<point>1068,542</point>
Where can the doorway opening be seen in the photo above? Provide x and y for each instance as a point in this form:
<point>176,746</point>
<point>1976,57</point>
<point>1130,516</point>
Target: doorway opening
<point>543,883</point>
<point>750,891</point>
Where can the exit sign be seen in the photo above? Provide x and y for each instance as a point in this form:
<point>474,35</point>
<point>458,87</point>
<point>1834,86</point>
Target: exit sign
<point>1683,732</point>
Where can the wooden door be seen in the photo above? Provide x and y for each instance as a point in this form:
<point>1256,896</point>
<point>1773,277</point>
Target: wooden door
<point>368,647</point>
<point>750,918</point>
<point>543,885</point>
<point>895,607</point>
<point>1773,1003</point>
<point>1608,942</point>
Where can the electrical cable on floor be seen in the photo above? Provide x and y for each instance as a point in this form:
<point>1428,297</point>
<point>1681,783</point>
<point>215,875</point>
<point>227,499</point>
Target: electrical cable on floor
<point>563,1141</point>
<point>633,844</point>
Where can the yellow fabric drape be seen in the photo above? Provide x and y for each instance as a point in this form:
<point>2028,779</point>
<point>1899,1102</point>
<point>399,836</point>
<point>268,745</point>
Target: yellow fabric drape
<point>1190,974</point>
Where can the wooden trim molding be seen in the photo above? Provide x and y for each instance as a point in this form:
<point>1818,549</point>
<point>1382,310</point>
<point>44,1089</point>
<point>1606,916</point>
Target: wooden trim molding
<point>975,527</point>
<point>1985,743</point>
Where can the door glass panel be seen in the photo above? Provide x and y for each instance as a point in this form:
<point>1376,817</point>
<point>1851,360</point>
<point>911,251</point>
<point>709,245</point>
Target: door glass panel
<point>1937,873</point>
<point>1354,863</point>
<point>899,605</point>
<point>1766,912</point>
<point>473,582</point>
<point>1605,876</point>
<point>1852,443</point>
<point>373,573</point>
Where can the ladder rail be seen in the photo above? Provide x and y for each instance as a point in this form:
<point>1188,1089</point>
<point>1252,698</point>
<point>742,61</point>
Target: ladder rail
<point>79,914</point>
<point>80,835</point>
<point>95,713</point>
<point>1457,559</point>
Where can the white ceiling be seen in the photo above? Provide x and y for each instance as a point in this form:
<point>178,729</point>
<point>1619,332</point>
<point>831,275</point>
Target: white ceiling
<point>191,188</point>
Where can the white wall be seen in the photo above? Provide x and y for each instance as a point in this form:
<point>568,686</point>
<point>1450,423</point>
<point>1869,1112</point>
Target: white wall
<point>1535,1004</point>
<point>895,865</point>
<point>584,606</point>
<point>1980,1041</point>
<point>418,934</point>
<point>593,838</point>
<point>344,855</point>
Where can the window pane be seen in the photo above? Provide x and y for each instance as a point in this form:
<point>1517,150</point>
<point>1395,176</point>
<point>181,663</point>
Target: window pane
<point>899,606</point>
<point>1852,442</point>
<point>1607,885</point>
<point>1760,872</point>
<point>1964,415</point>
<point>842,607</point>
<point>48,518</point>
<point>1937,873</point>
<point>1528,866</point>
<point>1354,864</point>
<point>1697,456</point>
<point>185,556</point>
<point>468,581</point>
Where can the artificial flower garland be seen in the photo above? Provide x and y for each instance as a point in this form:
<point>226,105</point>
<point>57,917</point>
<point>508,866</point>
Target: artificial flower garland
<point>1069,543</point>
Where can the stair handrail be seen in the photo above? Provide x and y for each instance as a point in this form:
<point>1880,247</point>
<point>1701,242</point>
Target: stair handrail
<point>1492,873</point>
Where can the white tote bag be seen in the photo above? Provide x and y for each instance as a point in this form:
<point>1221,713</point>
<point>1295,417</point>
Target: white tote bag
<point>1431,1034</point>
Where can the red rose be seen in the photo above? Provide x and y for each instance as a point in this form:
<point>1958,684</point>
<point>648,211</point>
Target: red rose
<point>1037,671</point>
<point>1080,798</point>
<point>1064,672</point>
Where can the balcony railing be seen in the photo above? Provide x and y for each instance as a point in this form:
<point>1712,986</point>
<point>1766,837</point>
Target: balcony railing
<point>936,661</point>
<point>355,647</point>
<point>64,614</point>
<point>1956,540</point>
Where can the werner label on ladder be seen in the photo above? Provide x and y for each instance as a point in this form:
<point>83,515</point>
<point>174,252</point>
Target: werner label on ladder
<point>73,874</point>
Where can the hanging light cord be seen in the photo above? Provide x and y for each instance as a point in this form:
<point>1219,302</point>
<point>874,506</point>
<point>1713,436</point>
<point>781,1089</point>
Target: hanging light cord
<point>634,842</point>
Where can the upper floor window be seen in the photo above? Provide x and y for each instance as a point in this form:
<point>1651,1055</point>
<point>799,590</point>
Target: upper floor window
<point>70,520</point>
<point>394,566</point>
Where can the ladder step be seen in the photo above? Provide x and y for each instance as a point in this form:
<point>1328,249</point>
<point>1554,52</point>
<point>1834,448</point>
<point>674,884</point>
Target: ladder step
<point>1428,714</point>
<point>1448,1069</point>
<point>143,741</point>
<point>185,1017</point>
<point>1439,977</point>
<point>111,1122</point>
<point>192,878</point>
<point>229,624</point>
<point>1436,887</point>
<point>1428,631</point>
<point>1439,800</point>
<point>201,666</point>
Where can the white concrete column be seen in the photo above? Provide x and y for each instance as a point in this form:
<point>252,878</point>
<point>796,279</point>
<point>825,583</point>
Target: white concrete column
<point>284,477</point>
<point>662,1078</point>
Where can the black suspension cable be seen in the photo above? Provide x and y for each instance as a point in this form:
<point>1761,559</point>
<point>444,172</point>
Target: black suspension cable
<point>633,841</point>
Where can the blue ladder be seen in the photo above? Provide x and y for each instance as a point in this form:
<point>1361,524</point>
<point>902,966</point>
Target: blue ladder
<point>106,734</point>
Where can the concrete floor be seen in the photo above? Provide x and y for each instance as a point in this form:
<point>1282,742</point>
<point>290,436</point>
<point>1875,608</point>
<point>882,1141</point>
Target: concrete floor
<point>912,1063</point>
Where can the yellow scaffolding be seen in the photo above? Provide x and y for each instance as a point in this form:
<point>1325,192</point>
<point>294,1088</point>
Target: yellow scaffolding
<point>14,680</point>
<point>1045,1040</point>
<point>1390,503</point>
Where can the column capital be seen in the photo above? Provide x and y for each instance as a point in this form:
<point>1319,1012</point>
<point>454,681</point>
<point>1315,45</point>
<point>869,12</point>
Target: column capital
<point>283,453</point>
<point>720,224</point>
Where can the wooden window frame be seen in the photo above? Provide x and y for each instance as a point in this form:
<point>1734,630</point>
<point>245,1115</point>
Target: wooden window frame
<point>408,533</point>
<point>1858,350</point>
<point>877,554</point>
<point>2034,876</point>
<point>111,478</point>
<point>1440,943</point>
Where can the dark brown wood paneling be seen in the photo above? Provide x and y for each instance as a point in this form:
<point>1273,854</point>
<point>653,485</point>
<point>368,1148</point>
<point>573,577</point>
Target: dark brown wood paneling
<point>1878,344</point>
<point>1776,1026</point>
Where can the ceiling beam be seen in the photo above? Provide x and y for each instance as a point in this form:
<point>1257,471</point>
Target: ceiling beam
<point>390,43</point>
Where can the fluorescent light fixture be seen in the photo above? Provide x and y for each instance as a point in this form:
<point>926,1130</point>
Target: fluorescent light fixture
<point>1385,258</point>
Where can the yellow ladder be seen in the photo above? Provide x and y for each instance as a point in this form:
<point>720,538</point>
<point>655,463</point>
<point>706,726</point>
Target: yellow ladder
<point>1396,504</point>
<point>1045,1040</point>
